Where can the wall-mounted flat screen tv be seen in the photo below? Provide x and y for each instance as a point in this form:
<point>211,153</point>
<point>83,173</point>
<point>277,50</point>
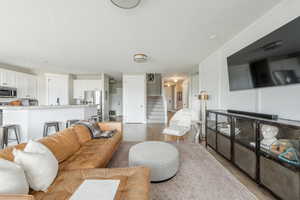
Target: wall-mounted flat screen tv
<point>273,60</point>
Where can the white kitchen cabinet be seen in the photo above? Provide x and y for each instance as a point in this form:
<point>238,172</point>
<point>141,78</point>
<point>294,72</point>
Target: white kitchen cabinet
<point>57,89</point>
<point>26,85</point>
<point>7,78</point>
<point>32,87</point>
<point>79,86</point>
<point>21,85</point>
<point>78,89</point>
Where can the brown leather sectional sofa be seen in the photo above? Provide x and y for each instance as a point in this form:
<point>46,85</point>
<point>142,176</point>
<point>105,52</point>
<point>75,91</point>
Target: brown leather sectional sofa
<point>80,157</point>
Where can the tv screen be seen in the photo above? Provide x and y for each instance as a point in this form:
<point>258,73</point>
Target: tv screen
<point>271,61</point>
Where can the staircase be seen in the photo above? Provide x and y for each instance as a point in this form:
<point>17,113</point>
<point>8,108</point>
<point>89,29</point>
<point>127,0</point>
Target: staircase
<point>155,110</point>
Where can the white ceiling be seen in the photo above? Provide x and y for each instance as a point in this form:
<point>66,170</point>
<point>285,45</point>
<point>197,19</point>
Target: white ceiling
<point>87,36</point>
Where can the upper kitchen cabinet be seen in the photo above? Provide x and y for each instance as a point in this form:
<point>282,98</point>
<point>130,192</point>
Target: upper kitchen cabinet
<point>80,86</point>
<point>7,78</point>
<point>26,85</point>
<point>32,86</point>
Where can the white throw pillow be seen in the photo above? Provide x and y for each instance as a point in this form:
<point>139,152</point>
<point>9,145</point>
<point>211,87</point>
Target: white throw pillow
<point>39,164</point>
<point>36,147</point>
<point>12,178</point>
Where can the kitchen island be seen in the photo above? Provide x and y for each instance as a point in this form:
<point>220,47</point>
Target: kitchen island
<point>32,118</point>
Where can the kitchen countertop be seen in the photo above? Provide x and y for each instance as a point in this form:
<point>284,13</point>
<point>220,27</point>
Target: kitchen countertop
<point>43,107</point>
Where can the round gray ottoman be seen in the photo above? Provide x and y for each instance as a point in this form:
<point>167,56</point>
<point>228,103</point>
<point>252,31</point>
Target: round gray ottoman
<point>162,159</point>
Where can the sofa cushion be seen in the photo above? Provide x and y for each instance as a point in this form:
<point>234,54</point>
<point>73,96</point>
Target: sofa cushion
<point>134,183</point>
<point>63,144</point>
<point>12,178</point>
<point>83,133</point>
<point>7,152</point>
<point>93,154</point>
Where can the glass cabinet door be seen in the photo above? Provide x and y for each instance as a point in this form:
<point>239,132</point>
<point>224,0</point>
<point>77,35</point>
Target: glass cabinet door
<point>224,125</point>
<point>244,152</point>
<point>280,159</point>
<point>211,120</point>
<point>224,135</point>
<point>280,143</point>
<point>245,132</point>
<point>211,130</point>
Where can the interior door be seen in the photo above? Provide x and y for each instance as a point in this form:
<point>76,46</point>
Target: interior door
<point>134,98</point>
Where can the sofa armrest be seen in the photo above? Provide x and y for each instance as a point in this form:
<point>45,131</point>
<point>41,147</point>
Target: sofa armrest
<point>107,126</point>
<point>16,197</point>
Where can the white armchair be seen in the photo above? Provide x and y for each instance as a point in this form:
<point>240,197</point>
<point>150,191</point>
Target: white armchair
<point>181,123</point>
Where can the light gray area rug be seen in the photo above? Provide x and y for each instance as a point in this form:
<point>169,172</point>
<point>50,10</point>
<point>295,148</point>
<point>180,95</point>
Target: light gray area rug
<point>200,177</point>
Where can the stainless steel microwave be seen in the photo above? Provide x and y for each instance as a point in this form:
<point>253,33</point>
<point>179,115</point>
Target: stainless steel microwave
<point>8,92</point>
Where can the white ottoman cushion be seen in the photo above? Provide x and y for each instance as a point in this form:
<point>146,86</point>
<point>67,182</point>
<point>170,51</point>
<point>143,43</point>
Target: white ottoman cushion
<point>162,159</point>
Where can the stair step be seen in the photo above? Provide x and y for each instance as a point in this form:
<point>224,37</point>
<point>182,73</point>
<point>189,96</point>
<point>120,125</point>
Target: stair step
<point>155,109</point>
<point>155,121</point>
<point>155,117</point>
<point>156,103</point>
<point>155,112</point>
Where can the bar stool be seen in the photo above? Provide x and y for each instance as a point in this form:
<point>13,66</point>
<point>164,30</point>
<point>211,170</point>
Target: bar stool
<point>71,122</point>
<point>48,125</point>
<point>6,131</point>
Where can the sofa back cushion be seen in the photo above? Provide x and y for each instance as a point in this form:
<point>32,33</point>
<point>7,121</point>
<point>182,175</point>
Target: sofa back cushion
<point>107,126</point>
<point>7,152</point>
<point>63,144</point>
<point>83,133</point>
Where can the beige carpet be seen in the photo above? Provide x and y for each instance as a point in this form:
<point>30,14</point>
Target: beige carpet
<point>200,176</point>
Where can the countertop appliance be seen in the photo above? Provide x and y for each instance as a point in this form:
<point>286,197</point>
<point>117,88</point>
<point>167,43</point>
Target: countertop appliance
<point>8,92</point>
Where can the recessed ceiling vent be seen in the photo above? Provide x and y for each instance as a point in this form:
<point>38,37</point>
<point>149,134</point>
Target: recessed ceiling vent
<point>140,58</point>
<point>126,4</point>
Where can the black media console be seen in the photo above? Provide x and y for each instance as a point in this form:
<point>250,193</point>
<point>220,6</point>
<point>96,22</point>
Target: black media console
<point>237,137</point>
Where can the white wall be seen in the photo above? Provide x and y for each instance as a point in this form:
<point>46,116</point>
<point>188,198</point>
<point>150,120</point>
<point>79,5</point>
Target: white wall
<point>105,97</point>
<point>194,102</point>
<point>213,75</point>
<point>185,93</point>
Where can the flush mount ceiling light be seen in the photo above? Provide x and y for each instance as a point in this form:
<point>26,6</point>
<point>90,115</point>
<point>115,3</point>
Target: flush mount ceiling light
<point>140,58</point>
<point>212,37</point>
<point>126,4</point>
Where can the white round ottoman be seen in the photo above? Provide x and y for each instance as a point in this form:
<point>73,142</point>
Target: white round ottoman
<point>162,159</point>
